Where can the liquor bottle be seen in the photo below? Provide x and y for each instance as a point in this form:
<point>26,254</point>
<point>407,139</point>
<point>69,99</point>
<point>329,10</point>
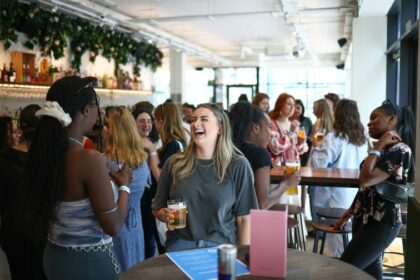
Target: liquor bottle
<point>12,73</point>
<point>24,73</point>
<point>4,74</point>
<point>28,74</point>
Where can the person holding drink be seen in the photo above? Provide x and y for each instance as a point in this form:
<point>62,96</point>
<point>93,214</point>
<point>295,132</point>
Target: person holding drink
<point>251,133</point>
<point>344,147</point>
<point>214,181</point>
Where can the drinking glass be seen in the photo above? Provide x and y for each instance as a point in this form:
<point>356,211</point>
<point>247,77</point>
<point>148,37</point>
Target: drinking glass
<point>301,135</point>
<point>292,166</point>
<point>178,209</point>
<point>320,134</point>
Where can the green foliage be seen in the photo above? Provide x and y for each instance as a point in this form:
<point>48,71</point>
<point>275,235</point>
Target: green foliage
<point>52,32</point>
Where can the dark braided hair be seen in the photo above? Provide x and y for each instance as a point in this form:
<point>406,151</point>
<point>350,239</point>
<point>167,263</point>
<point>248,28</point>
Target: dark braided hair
<point>45,166</point>
<point>242,115</point>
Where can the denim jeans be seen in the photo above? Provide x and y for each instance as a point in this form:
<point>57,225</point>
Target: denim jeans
<point>369,241</point>
<point>182,244</point>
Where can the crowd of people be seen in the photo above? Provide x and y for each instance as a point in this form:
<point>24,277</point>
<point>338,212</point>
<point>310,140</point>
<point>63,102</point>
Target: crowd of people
<point>72,210</point>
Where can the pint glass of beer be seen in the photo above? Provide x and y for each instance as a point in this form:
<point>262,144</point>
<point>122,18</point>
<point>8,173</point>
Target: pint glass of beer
<point>292,166</point>
<point>179,209</point>
<point>320,133</point>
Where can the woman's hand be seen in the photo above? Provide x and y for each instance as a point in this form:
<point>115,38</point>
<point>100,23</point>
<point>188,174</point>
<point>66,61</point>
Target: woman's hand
<point>388,138</point>
<point>341,223</point>
<point>292,179</point>
<point>294,125</point>
<point>167,217</point>
<point>122,177</point>
<point>148,145</point>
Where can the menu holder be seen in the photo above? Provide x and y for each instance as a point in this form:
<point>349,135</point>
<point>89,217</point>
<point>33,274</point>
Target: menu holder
<point>268,249</point>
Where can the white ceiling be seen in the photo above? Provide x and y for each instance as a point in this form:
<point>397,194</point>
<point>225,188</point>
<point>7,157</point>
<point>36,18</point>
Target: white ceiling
<point>236,32</point>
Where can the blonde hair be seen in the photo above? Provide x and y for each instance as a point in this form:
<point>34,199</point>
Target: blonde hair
<point>172,128</point>
<point>123,141</point>
<point>323,114</point>
<point>183,164</point>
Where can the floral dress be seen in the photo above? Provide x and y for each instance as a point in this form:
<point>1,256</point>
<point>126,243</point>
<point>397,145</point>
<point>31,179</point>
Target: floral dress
<point>397,161</point>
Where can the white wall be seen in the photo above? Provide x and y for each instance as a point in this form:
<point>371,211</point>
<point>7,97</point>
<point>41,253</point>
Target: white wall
<point>368,64</point>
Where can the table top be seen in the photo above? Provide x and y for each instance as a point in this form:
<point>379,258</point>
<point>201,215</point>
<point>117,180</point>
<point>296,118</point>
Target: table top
<point>311,176</point>
<point>300,265</point>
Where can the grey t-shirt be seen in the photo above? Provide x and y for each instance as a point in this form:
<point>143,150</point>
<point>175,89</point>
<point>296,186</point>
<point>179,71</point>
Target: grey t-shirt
<point>212,206</point>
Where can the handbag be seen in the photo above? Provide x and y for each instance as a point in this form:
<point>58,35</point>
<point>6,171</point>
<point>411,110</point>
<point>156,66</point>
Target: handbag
<point>394,192</point>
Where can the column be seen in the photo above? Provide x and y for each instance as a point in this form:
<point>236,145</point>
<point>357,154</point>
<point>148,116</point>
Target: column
<point>178,66</point>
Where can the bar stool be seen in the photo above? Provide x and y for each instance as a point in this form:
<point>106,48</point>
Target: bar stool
<point>324,226</point>
<point>330,213</point>
<point>294,238</point>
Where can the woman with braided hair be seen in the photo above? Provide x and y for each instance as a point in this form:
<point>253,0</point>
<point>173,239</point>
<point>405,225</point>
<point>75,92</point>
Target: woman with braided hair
<point>71,205</point>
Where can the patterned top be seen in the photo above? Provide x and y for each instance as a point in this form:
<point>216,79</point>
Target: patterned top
<point>368,205</point>
<point>76,225</point>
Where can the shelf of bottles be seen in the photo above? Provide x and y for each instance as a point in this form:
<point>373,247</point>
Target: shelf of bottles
<point>11,92</point>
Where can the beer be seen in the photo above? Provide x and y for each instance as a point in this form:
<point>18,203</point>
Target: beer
<point>319,137</point>
<point>226,262</point>
<point>179,211</point>
<point>301,134</point>
<point>292,167</point>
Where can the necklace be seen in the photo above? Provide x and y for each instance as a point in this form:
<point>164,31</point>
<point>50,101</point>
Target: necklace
<point>74,140</point>
<point>206,166</point>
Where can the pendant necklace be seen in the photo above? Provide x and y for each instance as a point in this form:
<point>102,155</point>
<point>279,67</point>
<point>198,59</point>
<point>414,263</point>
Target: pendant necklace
<point>74,140</point>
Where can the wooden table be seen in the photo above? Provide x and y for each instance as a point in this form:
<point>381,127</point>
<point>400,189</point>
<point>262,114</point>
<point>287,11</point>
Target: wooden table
<point>300,265</point>
<point>311,176</point>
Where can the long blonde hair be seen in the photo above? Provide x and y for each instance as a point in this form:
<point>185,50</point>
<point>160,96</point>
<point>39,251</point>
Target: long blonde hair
<point>323,114</point>
<point>123,141</point>
<point>184,163</point>
<point>172,123</point>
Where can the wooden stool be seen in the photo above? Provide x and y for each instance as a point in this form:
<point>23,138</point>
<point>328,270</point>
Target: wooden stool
<point>330,213</point>
<point>297,216</point>
<point>324,226</point>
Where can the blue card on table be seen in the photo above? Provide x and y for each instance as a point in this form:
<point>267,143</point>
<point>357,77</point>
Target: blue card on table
<point>201,264</point>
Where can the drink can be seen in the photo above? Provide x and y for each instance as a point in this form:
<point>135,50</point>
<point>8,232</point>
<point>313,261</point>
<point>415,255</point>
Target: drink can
<point>227,262</point>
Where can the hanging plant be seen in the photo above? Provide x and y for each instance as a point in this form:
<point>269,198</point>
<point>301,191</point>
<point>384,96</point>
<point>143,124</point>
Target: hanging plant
<point>52,32</point>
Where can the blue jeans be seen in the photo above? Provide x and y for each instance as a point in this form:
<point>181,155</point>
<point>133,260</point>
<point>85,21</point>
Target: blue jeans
<point>369,241</point>
<point>182,244</point>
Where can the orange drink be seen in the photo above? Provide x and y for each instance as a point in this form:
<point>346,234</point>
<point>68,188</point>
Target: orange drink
<point>301,134</point>
<point>292,166</point>
<point>179,210</point>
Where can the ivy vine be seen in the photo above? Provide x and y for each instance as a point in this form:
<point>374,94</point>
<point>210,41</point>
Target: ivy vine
<point>53,31</point>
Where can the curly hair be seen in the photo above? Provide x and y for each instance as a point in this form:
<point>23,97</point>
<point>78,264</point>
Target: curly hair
<point>347,122</point>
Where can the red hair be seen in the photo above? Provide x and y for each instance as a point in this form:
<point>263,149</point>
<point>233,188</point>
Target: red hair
<point>280,103</point>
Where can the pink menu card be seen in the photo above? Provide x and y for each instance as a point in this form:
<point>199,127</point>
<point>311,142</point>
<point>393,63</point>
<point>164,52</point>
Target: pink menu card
<point>268,249</point>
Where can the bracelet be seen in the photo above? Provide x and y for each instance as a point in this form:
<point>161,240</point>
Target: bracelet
<point>376,153</point>
<point>153,154</point>
<point>124,188</point>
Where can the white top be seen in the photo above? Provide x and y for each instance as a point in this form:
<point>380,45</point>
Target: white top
<point>336,152</point>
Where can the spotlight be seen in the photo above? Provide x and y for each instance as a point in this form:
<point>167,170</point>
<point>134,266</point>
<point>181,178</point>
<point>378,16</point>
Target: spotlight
<point>342,42</point>
<point>340,66</point>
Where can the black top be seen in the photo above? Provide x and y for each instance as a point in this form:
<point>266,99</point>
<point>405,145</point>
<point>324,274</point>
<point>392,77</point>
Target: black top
<point>13,195</point>
<point>258,157</point>
<point>169,149</point>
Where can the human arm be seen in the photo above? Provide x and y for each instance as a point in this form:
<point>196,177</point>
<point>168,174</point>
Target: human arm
<point>110,215</point>
<point>159,209</point>
<point>370,174</point>
<point>340,223</point>
<point>266,197</point>
<point>244,229</point>
<point>153,158</point>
